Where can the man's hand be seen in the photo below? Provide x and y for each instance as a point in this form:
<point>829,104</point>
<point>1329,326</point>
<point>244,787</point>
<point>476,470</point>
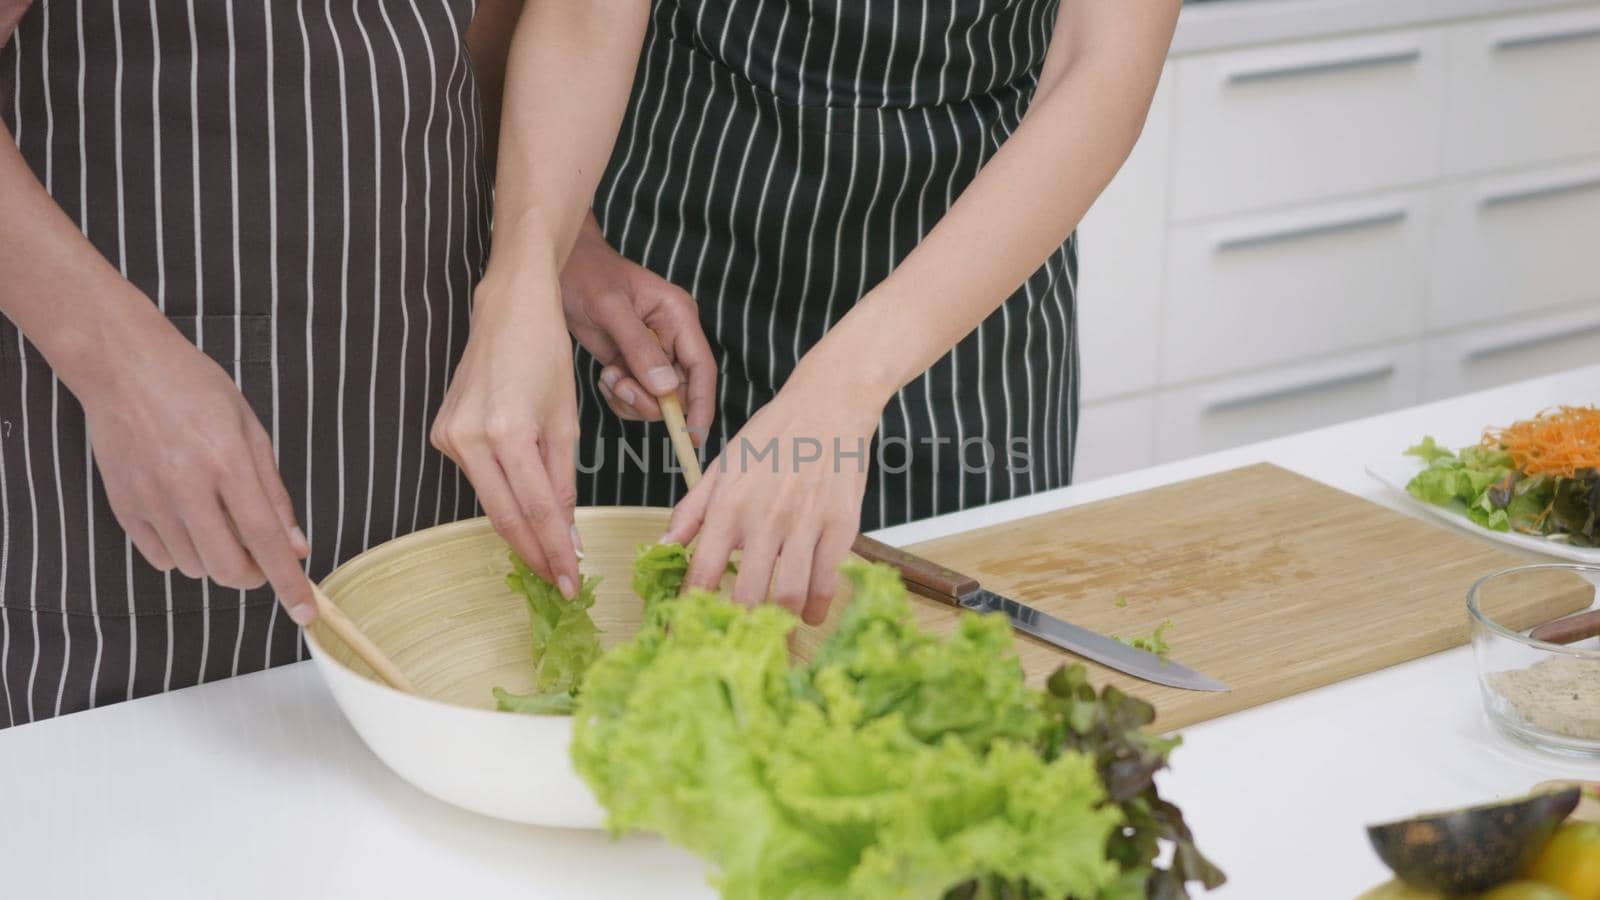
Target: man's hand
<point>188,468</point>
<point>612,306</point>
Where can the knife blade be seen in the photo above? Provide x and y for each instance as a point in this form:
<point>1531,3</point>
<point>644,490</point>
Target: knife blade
<point>949,586</point>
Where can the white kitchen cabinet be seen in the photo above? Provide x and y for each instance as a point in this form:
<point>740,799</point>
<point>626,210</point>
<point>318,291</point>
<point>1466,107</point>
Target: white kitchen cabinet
<point>1121,252</point>
<point>1263,290</point>
<point>1511,351</point>
<point>1114,436</point>
<point>1518,243</point>
<point>1214,415</point>
<point>1333,219</point>
<point>1274,126</point>
<point>1523,89</point>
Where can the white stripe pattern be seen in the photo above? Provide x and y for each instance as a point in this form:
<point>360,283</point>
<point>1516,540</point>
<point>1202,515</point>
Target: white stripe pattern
<point>179,126</point>
<point>843,196</point>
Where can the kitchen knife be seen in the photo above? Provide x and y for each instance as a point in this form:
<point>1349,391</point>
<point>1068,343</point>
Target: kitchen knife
<point>948,586</point>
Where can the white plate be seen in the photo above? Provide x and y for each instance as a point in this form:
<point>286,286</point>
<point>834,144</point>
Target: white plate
<point>1397,471</point>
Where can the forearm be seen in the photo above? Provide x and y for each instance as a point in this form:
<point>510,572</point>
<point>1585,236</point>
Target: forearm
<point>70,302</point>
<point>10,14</point>
<point>1090,107</point>
<point>489,45</point>
<point>555,138</point>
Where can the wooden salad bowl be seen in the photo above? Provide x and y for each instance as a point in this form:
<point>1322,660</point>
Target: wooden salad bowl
<point>436,602</point>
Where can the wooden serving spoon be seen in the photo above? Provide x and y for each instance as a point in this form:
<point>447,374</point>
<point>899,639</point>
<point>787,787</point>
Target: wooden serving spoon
<point>1569,629</point>
<point>682,443</point>
<point>357,640</point>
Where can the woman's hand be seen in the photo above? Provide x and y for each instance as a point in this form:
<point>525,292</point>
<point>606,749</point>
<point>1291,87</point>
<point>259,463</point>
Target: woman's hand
<point>187,467</point>
<point>612,306</point>
<point>787,491</point>
<point>510,420</point>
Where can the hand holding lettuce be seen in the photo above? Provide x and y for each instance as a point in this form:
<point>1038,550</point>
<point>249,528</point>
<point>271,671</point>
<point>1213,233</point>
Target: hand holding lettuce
<point>565,642</point>
<point>894,764</point>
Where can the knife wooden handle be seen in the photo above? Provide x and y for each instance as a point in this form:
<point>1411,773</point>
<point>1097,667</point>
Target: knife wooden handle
<point>1570,629</point>
<point>921,575</point>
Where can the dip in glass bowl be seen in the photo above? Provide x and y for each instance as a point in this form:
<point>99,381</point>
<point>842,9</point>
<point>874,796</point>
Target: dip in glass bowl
<point>1543,694</point>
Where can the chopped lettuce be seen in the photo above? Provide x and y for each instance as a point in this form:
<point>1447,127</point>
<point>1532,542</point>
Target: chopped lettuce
<point>1465,478</point>
<point>1155,642</point>
<point>535,704</point>
<point>896,764</point>
<point>565,642</point>
<point>1484,482</point>
<point>658,572</point>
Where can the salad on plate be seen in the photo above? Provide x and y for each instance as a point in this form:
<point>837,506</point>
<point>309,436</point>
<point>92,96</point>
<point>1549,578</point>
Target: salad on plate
<point>1538,476</point>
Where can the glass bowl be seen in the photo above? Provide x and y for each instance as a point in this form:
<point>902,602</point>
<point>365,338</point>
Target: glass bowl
<point>1542,694</point>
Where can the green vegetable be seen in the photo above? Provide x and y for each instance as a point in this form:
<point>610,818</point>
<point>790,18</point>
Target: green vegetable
<point>535,704</point>
<point>1122,603</point>
<point>1155,642</point>
<point>895,764</point>
<point>658,572</point>
<point>565,642</point>
<point>1576,509</point>
<point>1465,478</point>
<point>1484,482</point>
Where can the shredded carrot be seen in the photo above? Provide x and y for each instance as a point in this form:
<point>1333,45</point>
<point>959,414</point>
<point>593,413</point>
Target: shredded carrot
<point>1558,441</point>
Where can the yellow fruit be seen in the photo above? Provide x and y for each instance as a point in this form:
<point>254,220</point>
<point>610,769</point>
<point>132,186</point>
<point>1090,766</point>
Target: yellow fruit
<point>1571,861</point>
<point>1399,890</point>
<point>1526,890</point>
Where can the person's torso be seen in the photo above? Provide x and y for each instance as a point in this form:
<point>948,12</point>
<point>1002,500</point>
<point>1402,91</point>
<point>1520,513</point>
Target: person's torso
<point>786,156</point>
<point>209,139</point>
<point>778,159</point>
<point>300,188</point>
<point>866,53</point>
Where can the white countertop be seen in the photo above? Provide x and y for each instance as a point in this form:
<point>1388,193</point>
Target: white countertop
<point>256,787</point>
<point>1236,23</point>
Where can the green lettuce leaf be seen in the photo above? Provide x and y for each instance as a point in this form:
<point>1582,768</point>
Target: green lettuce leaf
<point>1530,498</point>
<point>968,685</point>
<point>1155,642</point>
<point>658,572</point>
<point>564,642</point>
<point>1467,479</point>
<point>896,764</point>
<point>535,704</point>
<point>1429,450</point>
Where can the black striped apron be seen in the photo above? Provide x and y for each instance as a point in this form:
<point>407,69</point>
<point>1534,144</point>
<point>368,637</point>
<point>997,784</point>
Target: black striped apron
<point>298,186</point>
<point>777,160</point>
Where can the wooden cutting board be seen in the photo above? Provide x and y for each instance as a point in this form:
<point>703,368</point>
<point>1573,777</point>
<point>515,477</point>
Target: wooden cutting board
<point>1274,583</point>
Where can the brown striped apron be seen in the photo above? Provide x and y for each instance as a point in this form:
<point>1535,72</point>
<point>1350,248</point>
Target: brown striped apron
<point>300,188</point>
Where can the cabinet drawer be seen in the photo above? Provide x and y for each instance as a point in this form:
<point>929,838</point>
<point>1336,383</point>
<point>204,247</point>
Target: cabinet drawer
<point>1499,354</point>
<point>1523,89</point>
<point>1115,436</point>
<point>1226,413</point>
<point>1121,251</point>
<point>1281,125</point>
<point>1251,292</point>
<point>1516,243</point>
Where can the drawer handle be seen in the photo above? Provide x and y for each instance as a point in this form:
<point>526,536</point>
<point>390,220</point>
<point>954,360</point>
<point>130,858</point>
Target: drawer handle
<point>1546,38</point>
<point>1325,66</point>
<point>1293,388</point>
<point>1512,344</point>
<point>1541,192</point>
<point>1313,229</point>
